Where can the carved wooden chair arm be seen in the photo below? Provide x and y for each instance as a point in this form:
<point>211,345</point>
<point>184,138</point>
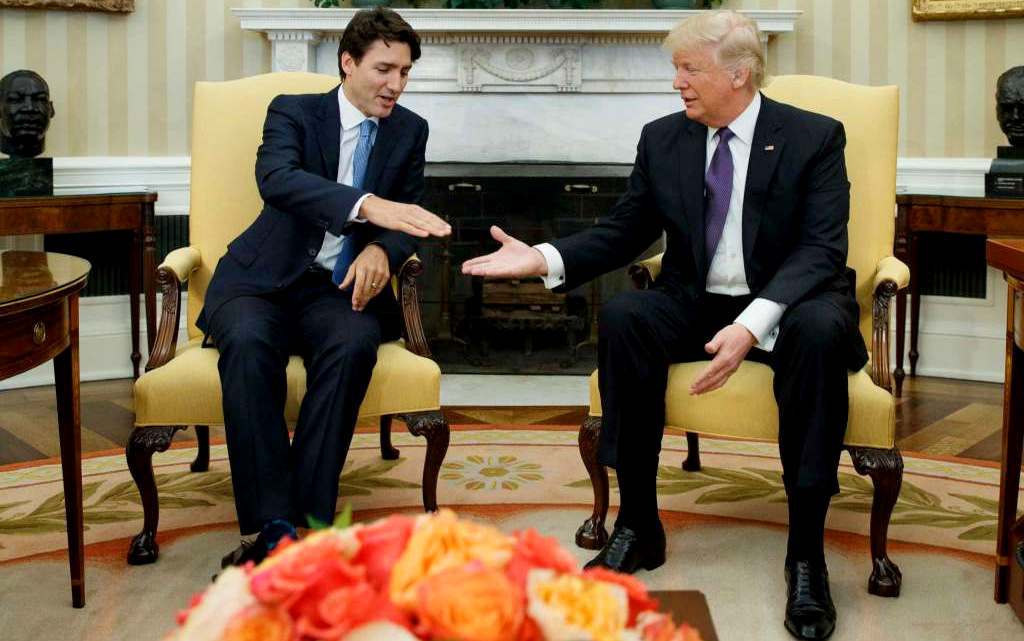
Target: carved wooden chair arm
<point>643,272</point>
<point>415,339</point>
<point>175,270</point>
<point>891,276</point>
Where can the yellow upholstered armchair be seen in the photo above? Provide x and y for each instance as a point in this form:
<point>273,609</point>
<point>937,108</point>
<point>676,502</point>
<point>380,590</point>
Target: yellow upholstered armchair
<point>745,408</point>
<point>181,386</point>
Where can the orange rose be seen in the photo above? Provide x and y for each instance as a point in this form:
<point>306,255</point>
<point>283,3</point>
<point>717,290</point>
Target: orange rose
<point>259,623</point>
<point>639,599</point>
<point>471,603</point>
<point>534,551</point>
<point>441,542</point>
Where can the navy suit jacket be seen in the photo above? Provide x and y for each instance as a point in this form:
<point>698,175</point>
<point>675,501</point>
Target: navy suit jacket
<point>795,209</point>
<point>296,172</point>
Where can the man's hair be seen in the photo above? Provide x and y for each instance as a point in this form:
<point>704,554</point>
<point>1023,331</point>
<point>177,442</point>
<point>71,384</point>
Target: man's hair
<point>370,25</point>
<point>735,38</point>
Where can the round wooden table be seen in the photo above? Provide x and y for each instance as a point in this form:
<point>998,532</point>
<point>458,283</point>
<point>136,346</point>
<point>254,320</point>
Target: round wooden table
<point>38,322</point>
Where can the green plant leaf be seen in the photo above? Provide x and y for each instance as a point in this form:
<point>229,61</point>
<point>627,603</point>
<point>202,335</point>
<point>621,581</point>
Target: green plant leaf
<point>344,518</point>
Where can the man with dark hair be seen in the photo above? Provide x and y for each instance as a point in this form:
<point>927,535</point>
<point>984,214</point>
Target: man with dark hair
<point>340,175</point>
<point>25,112</point>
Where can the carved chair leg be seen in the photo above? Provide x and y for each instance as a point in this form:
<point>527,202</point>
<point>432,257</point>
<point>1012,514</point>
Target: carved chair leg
<point>142,442</point>
<point>692,461</point>
<point>592,535</point>
<point>885,467</point>
<point>202,462</point>
<point>434,427</point>
<point>387,451</point>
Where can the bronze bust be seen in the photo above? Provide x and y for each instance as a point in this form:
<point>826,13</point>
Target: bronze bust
<point>1010,105</point>
<point>25,112</point>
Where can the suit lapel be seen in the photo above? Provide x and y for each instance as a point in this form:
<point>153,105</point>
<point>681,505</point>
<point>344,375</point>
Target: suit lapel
<point>692,158</point>
<point>329,132</point>
<point>388,132</point>
<point>765,151</point>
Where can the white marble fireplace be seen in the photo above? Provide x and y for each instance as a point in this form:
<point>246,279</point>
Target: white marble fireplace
<point>509,85</point>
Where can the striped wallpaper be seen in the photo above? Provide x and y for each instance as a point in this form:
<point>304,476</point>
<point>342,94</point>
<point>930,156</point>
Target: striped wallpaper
<point>122,83</point>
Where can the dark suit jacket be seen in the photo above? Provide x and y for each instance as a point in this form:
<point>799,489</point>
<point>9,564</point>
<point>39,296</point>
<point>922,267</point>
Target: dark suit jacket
<point>296,171</point>
<point>795,209</point>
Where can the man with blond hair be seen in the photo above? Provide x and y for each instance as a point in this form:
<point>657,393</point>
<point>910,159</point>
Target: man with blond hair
<point>753,200</point>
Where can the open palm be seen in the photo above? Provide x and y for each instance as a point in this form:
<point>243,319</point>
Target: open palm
<point>515,259</point>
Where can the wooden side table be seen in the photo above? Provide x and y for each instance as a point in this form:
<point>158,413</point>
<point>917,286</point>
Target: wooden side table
<point>38,322</point>
<point>99,212</point>
<point>690,607</point>
<point>1008,255</point>
<point>952,214</point>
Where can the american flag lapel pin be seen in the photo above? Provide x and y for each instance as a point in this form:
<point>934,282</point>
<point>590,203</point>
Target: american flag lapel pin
<point>769,147</point>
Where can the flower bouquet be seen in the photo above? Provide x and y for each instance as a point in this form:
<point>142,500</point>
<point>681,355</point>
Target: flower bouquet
<point>426,577</point>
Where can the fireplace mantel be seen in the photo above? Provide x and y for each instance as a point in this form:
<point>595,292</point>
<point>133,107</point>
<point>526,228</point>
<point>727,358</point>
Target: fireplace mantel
<point>504,50</point>
<point>505,85</point>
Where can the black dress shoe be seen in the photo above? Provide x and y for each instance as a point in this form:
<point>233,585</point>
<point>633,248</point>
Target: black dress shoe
<point>810,613</point>
<point>627,551</point>
<point>255,551</point>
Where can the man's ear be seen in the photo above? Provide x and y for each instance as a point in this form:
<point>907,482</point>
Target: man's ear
<point>348,63</point>
<point>740,77</point>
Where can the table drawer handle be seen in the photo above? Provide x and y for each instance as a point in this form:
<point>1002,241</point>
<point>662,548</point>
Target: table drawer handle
<point>39,333</point>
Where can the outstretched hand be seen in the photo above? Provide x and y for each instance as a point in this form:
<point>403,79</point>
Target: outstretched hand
<point>411,219</point>
<point>515,259</point>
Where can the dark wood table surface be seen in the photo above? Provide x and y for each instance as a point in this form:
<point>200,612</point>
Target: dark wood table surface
<point>952,214</point>
<point>38,322</point>
<point>98,212</point>
<point>1007,255</point>
<point>688,606</point>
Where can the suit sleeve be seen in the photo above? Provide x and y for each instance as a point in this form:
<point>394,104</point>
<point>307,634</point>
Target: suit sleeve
<point>285,184</point>
<point>819,254</point>
<point>634,223</point>
<point>399,245</point>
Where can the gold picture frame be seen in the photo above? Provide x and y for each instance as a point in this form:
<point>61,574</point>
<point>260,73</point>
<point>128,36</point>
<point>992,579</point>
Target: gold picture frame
<point>965,9</point>
<point>114,6</point>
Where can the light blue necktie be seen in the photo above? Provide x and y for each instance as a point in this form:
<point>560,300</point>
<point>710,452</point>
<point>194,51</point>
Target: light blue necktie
<point>360,160</point>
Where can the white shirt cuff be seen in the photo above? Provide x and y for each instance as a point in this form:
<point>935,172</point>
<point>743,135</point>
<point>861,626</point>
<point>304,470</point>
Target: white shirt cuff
<point>762,318</point>
<point>556,268</point>
<point>353,216</point>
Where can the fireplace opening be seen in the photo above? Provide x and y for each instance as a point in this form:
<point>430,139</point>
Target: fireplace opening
<point>477,325</point>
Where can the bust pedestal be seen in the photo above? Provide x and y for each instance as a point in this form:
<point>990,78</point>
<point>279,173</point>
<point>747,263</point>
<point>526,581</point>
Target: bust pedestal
<point>1005,177</point>
<point>26,177</point>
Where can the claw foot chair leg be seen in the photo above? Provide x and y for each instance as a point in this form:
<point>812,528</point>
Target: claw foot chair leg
<point>202,461</point>
<point>885,467</point>
<point>592,535</point>
<point>434,427</point>
<point>388,452</point>
<point>692,461</point>
<point>142,442</point>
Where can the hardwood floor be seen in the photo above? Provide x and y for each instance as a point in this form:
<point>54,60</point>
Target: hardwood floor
<point>935,416</point>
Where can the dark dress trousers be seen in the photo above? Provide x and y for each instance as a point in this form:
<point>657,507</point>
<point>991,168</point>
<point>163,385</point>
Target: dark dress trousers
<point>795,211</point>
<point>267,300</point>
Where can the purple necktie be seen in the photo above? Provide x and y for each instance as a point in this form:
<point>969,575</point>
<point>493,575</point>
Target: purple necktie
<point>717,192</point>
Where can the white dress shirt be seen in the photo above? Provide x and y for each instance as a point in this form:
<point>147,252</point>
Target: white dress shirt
<point>726,274</point>
<point>351,119</point>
